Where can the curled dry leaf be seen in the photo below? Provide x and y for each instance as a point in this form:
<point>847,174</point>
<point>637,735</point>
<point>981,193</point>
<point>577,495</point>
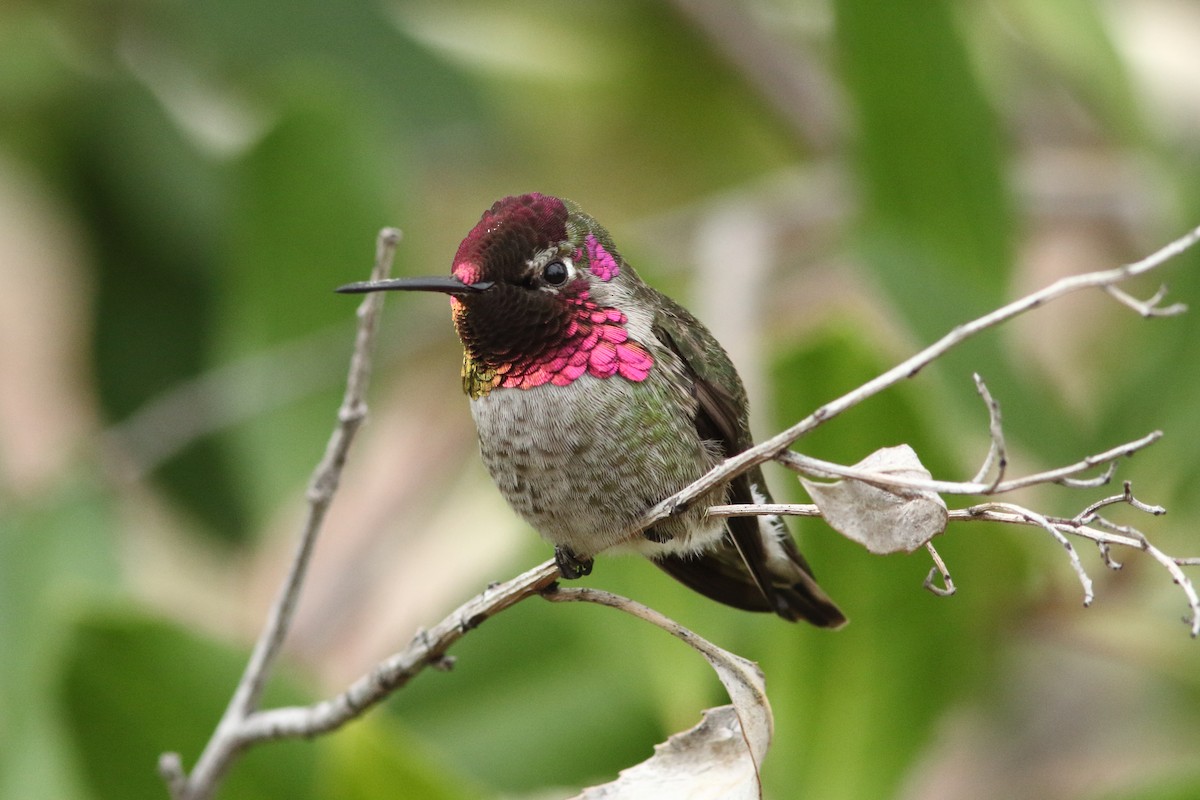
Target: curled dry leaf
<point>707,761</point>
<point>882,520</point>
<point>716,760</point>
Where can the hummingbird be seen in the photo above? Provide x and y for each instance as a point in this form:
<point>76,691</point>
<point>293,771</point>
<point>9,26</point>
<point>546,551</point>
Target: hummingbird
<point>596,396</point>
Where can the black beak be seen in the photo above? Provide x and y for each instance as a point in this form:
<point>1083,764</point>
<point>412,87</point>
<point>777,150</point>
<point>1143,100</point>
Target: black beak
<point>445,284</point>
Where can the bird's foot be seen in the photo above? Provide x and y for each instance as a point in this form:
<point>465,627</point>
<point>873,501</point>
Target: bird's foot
<point>571,566</point>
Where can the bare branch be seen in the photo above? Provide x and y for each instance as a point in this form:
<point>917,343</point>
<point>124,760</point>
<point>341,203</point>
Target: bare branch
<point>1149,307</point>
<point>773,447</point>
<point>997,454</point>
<point>764,509</point>
<point>744,682</point>
<point>827,469</point>
<point>939,567</point>
<point>1102,479</point>
<point>1105,536</point>
<point>223,744</point>
<point>1088,523</point>
<point>426,649</point>
<point>1045,524</point>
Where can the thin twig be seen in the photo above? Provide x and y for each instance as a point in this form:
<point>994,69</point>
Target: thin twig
<point>243,724</point>
<point>764,509</point>
<point>1103,479</point>
<point>743,680</point>
<point>223,744</point>
<point>773,447</point>
<point>826,469</point>
<point>1125,537</point>
<point>1088,524</point>
<point>427,648</point>
<point>1149,307</point>
<point>939,567</point>
<point>1045,524</point>
<point>997,453</point>
<point>561,594</point>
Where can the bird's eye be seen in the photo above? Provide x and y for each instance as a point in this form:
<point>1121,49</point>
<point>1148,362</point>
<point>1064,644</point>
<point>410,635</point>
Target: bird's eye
<point>555,273</point>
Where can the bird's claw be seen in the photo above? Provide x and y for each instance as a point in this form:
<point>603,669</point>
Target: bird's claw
<point>571,566</point>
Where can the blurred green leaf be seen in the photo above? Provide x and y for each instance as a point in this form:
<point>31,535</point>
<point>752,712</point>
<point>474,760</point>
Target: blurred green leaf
<point>134,687</point>
<point>1071,36</point>
<point>55,555</point>
<point>583,716</point>
<point>375,758</point>
<point>938,226</point>
<point>642,92</point>
<point>152,201</point>
<point>930,160</point>
<point>311,197</point>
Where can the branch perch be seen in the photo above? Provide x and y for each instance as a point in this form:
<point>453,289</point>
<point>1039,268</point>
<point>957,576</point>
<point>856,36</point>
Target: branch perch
<point>244,724</point>
<point>773,447</point>
<point>221,748</point>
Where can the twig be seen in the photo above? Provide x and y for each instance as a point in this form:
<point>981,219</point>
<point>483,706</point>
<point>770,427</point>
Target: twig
<point>1149,307</point>
<point>827,469</point>
<point>773,447</point>
<point>1088,523</point>
<point>427,648</point>
<point>1045,524</point>
<point>743,680</point>
<point>1113,535</point>
<point>939,566</point>
<point>224,743</point>
<point>764,509</point>
<point>997,453</point>
<point>243,723</point>
<point>563,594</point>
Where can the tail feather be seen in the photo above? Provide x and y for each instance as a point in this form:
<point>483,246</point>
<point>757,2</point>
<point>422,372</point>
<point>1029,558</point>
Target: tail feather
<point>756,567</point>
<point>721,575</point>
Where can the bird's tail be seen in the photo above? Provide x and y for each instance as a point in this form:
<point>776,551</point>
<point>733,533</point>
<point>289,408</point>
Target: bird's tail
<point>756,567</point>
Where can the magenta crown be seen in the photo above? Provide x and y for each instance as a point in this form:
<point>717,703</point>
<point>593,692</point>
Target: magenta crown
<point>508,233</point>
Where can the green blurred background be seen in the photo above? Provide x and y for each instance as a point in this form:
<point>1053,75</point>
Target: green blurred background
<point>828,184</point>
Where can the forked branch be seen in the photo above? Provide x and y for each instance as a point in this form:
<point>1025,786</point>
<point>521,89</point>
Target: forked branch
<point>1088,523</point>
<point>776,445</point>
<point>244,724</point>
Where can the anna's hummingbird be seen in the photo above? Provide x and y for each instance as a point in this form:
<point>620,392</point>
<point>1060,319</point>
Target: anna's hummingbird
<point>596,396</point>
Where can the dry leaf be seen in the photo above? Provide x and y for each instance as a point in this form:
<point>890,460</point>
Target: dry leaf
<point>882,520</point>
<point>716,760</point>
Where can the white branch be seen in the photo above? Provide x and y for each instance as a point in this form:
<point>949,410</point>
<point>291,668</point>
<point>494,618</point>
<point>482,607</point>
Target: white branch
<point>243,724</point>
<point>773,447</point>
<point>1034,518</point>
<point>939,567</point>
<point>1110,535</point>
<point>427,648</point>
<point>997,453</point>
<point>219,751</point>
<point>827,469</point>
<point>1087,524</point>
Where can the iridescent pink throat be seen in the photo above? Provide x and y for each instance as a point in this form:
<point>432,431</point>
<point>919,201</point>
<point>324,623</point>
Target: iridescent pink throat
<point>595,341</point>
